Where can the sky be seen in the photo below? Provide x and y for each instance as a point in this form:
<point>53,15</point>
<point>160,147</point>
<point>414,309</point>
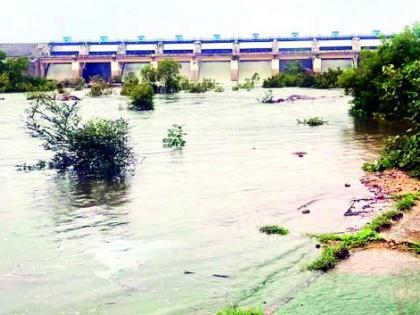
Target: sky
<point>48,20</point>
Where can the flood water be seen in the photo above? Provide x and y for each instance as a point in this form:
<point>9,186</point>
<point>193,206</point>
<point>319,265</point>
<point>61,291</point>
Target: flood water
<point>180,236</point>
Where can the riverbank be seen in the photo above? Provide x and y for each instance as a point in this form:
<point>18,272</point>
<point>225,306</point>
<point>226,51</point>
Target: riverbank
<point>389,256</point>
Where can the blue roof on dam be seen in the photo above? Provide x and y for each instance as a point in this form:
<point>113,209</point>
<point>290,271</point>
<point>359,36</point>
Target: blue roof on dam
<point>222,40</point>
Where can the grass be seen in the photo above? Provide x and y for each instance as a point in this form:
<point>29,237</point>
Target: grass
<point>415,247</point>
<point>274,229</point>
<point>313,121</point>
<point>234,310</point>
<point>337,245</point>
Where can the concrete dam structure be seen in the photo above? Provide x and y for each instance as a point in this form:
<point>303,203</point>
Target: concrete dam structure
<point>221,59</point>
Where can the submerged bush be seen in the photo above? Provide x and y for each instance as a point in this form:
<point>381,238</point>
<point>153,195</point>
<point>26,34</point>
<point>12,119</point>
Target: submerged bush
<point>77,84</point>
<point>141,97</point>
<point>99,87</point>
<point>401,152</point>
<point>296,76</point>
<point>174,139</point>
<point>129,81</point>
<point>98,148</point>
<point>268,97</point>
<point>274,229</point>
<point>201,87</point>
<point>249,83</point>
<point>313,121</point>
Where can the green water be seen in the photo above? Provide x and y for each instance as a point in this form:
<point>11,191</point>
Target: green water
<point>70,247</point>
<point>354,294</point>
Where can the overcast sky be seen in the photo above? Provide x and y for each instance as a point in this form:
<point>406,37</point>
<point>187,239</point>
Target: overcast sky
<point>46,20</point>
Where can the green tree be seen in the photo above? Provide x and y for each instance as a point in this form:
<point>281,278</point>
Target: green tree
<point>141,97</point>
<point>98,148</point>
<point>168,74</point>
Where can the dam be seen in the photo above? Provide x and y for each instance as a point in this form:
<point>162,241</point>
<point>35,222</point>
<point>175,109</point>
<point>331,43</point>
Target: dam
<point>224,60</point>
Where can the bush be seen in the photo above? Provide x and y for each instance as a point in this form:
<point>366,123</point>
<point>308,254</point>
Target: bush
<point>401,152</point>
<point>14,77</point>
<point>98,148</point>
<point>313,122</point>
<point>386,81</point>
<point>328,79</point>
<point>274,229</point>
<point>268,97</point>
<point>77,84</point>
<point>141,97</point>
<point>249,83</point>
<point>129,81</point>
<point>168,75</point>
<point>175,139</point>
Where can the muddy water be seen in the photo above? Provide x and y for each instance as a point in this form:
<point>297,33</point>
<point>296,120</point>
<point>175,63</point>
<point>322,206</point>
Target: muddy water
<point>181,236</point>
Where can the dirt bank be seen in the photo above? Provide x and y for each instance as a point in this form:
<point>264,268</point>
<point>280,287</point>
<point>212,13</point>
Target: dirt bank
<point>389,257</point>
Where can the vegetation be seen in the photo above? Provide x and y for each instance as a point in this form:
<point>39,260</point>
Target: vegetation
<point>249,83</point>
<point>268,97</point>
<point>401,152</point>
<point>234,310</point>
<point>293,75</point>
<point>313,121</point>
<point>129,81</point>
<point>386,85</point>
<point>274,229</point>
<point>141,97</point>
<point>168,74</point>
<point>386,82</point>
<point>327,79</point>
<point>296,76</point>
<point>337,246</point>
<point>174,139</point>
<point>99,87</point>
<point>98,148</point>
<point>78,84</point>
<point>14,76</point>
<point>202,87</point>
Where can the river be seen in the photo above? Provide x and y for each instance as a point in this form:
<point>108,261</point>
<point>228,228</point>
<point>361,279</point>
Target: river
<point>181,235</point>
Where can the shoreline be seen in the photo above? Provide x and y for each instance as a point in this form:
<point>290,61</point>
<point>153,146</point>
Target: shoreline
<point>392,254</point>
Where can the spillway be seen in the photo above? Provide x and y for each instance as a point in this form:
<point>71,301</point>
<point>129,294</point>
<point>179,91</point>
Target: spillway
<point>248,68</point>
<point>219,71</point>
<point>59,71</point>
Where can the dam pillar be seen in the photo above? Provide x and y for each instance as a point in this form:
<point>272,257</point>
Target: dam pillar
<point>315,46</point>
<point>317,65</point>
<point>84,50</point>
<point>159,48</point>
<point>275,66</point>
<point>275,47</point>
<point>234,69</point>
<point>76,69</point>
<point>197,48</point>
<point>116,70</point>
<point>194,70</point>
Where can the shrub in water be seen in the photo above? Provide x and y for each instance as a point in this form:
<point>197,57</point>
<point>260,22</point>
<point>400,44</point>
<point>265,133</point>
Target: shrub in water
<point>174,138</point>
<point>141,97</point>
<point>274,229</point>
<point>268,98</point>
<point>313,122</point>
<point>98,148</point>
